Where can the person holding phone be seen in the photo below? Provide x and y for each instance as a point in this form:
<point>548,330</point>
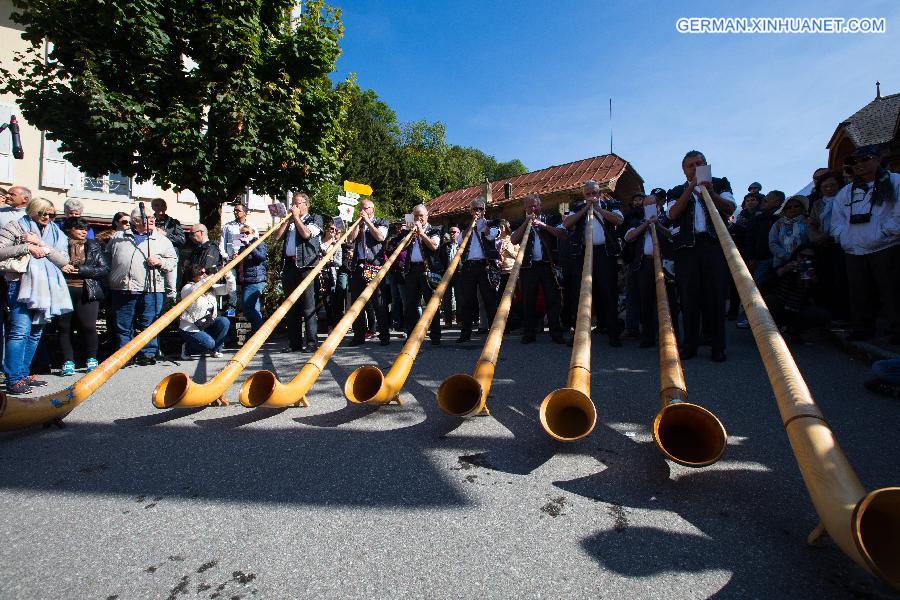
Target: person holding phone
<point>700,269</point>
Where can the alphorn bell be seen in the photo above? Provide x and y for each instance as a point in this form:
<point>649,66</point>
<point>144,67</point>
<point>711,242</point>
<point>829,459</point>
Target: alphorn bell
<point>178,391</point>
<point>685,433</point>
<point>568,414</point>
<point>262,389</point>
<point>866,526</point>
<point>463,395</point>
<point>18,413</point>
<point>367,383</point>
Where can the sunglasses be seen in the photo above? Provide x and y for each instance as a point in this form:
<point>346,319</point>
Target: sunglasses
<point>860,159</point>
<point>45,213</point>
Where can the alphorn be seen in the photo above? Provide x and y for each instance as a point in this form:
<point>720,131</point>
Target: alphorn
<point>262,389</point>
<point>178,391</point>
<point>685,433</point>
<point>568,414</point>
<point>18,413</point>
<point>463,395</point>
<point>367,383</point>
<point>866,526</point>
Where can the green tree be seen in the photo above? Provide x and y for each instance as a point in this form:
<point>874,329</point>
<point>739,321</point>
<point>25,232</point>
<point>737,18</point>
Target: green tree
<point>215,97</point>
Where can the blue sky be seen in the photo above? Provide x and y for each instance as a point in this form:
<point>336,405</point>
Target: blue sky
<point>532,80</point>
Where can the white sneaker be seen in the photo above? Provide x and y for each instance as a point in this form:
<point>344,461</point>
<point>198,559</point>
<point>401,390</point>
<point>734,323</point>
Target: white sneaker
<point>217,355</point>
<point>185,355</point>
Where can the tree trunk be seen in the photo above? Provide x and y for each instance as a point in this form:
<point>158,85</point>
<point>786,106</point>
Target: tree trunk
<point>210,211</point>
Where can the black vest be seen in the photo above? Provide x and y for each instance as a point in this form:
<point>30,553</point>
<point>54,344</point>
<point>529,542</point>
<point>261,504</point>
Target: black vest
<point>685,238</point>
<point>488,248</point>
<point>613,247</point>
<point>308,251</point>
<point>430,257</point>
<point>374,248</point>
<point>548,245</point>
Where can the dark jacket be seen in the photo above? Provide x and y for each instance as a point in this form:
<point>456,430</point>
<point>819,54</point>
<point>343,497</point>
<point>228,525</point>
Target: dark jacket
<point>93,272</point>
<point>757,241</point>
<point>308,250</point>
<point>684,236</point>
<point>206,255</point>
<point>612,243</point>
<point>488,248</point>
<point>432,257</point>
<point>174,231</point>
<point>253,268</point>
<point>374,249</point>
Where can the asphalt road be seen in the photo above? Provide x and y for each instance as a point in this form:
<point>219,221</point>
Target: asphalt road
<point>403,501</point>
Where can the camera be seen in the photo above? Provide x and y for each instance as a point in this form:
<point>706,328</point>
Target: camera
<point>860,218</point>
<point>805,267</point>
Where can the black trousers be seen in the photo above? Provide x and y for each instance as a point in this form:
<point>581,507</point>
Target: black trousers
<point>472,278</point>
<point>416,288</point>
<point>604,289</point>
<point>873,277</point>
<point>85,317</point>
<point>539,274</point>
<point>646,283</point>
<point>702,278</point>
<point>377,302</point>
<point>301,318</point>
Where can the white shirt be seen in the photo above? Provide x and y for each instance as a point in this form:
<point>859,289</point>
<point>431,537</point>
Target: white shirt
<point>700,224</point>
<point>416,254</point>
<point>597,228</point>
<point>883,229</point>
<point>290,243</point>
<point>476,252</point>
<point>8,214</point>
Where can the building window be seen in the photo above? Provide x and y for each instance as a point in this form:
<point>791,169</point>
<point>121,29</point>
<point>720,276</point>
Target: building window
<point>114,183</point>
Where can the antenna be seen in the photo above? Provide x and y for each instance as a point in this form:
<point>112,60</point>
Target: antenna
<point>610,127</point>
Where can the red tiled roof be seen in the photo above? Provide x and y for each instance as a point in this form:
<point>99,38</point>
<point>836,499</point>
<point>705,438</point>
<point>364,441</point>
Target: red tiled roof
<point>607,167</point>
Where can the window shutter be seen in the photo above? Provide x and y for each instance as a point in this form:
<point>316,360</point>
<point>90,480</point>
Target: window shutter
<point>56,171</point>
<point>257,202</point>
<point>187,197</point>
<point>6,158</point>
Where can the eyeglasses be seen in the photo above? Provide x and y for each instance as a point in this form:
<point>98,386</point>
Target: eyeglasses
<point>478,209</point>
<point>45,213</point>
<point>855,160</point>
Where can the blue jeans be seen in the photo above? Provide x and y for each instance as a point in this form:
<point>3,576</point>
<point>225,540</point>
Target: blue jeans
<point>21,339</point>
<point>136,311</point>
<point>251,304</point>
<point>210,339</point>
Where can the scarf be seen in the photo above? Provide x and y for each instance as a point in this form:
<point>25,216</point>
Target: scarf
<point>43,289</point>
<point>883,190</point>
<point>76,252</point>
<point>792,234</point>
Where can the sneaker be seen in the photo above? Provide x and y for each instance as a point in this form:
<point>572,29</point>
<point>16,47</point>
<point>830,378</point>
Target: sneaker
<point>217,354</point>
<point>20,387</point>
<point>92,364</point>
<point>33,381</point>
<point>742,324</point>
<point>185,355</point>
<point>144,360</point>
<point>230,312</point>
<point>68,368</point>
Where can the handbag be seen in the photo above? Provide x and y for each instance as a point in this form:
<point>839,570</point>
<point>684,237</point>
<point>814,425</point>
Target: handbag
<point>370,271</point>
<point>204,321</point>
<point>15,264</point>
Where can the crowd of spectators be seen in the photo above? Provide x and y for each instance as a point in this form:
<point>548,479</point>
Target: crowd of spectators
<point>829,255</point>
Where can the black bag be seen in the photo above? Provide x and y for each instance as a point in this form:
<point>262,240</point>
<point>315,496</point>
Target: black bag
<point>92,291</point>
<point>204,321</point>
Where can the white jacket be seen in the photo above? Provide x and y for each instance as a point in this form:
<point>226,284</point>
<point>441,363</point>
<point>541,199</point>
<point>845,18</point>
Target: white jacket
<point>196,311</point>
<point>127,271</point>
<point>883,229</point>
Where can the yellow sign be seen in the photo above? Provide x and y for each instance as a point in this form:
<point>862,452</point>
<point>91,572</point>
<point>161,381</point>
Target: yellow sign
<point>357,188</point>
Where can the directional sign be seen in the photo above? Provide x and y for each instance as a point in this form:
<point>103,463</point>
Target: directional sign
<point>346,213</point>
<point>357,188</point>
<point>347,200</point>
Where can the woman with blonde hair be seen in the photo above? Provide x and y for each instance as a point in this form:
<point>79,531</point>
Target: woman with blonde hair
<point>33,249</point>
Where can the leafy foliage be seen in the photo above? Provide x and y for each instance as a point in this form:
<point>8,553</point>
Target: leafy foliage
<point>215,97</point>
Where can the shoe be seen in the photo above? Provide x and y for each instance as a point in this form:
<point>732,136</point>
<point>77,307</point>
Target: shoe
<point>385,341</point>
<point>528,338</point>
<point>686,353</point>
<point>92,364</point>
<point>482,330</point>
<point>33,381</point>
<point>646,344</point>
<point>20,387</point>
<point>370,334</point>
<point>557,338</point>
<point>719,356</point>
<point>216,354</point>
<point>436,342</point>
<point>615,342</point>
<point>185,355</point>
<point>859,335</point>
<point>68,368</point>
<point>632,335</point>
<point>230,313</point>
<point>143,360</point>
<point>311,347</point>
<point>880,386</point>
<point>463,338</point>
<point>742,324</point>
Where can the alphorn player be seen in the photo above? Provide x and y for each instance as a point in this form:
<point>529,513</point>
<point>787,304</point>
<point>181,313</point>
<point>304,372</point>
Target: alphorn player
<point>606,250</point>
<point>302,241</point>
<point>700,269</point>
<point>367,241</point>
<point>473,275</point>
<point>537,270</point>
<point>421,257</point>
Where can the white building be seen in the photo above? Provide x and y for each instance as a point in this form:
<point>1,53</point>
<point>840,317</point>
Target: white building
<point>49,175</point>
